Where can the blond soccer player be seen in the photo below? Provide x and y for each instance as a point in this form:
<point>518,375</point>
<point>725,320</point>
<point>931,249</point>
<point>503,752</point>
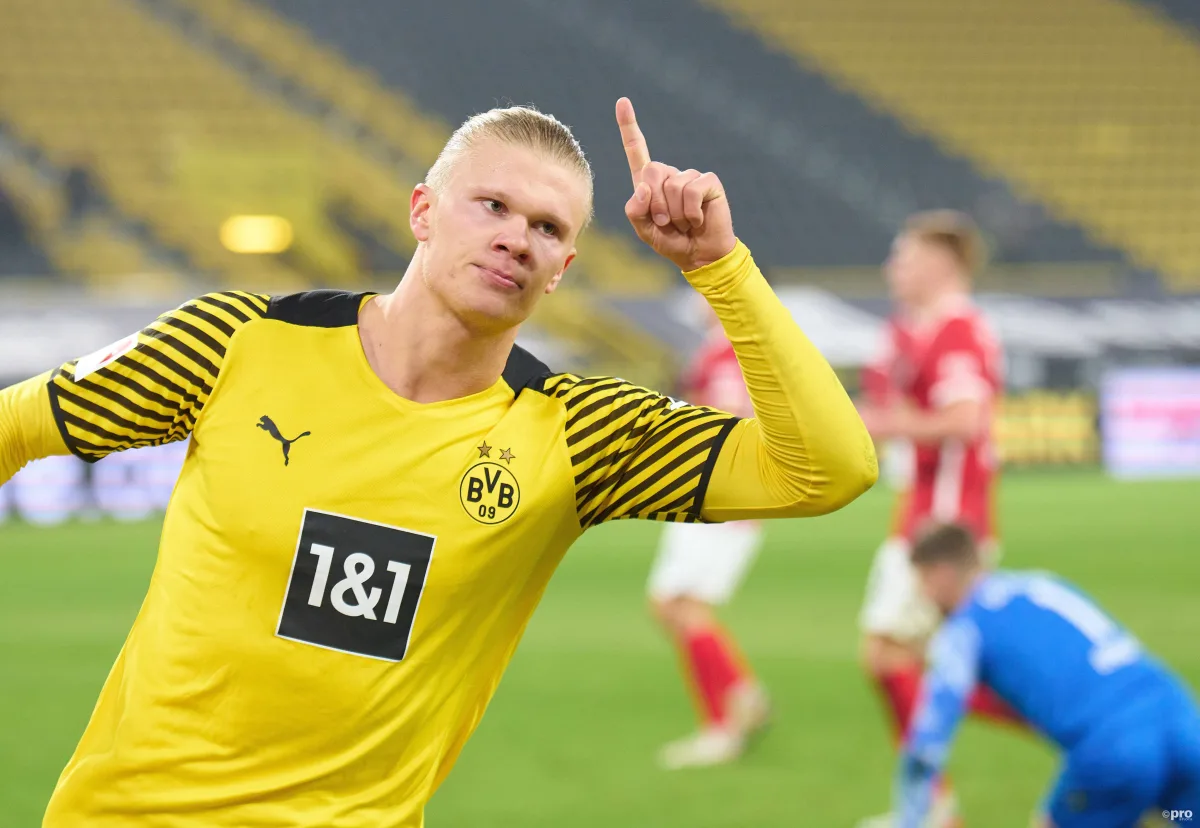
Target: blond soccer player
<point>379,487</point>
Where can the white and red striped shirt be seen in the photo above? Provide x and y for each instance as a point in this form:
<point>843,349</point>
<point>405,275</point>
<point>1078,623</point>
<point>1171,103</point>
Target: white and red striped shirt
<point>931,365</point>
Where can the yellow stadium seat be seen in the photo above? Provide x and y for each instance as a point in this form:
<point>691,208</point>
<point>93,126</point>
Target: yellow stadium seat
<point>1088,105</point>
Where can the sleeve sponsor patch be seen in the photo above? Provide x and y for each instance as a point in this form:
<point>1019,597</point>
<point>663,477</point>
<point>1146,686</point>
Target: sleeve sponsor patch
<point>93,362</point>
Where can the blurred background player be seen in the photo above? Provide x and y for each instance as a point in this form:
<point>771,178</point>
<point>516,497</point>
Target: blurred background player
<point>699,566</point>
<point>934,387</point>
<point>1128,726</point>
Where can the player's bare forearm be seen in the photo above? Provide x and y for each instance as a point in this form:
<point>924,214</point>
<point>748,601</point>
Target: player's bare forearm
<point>937,426</point>
<point>806,452</point>
<point>963,420</point>
<point>27,428</point>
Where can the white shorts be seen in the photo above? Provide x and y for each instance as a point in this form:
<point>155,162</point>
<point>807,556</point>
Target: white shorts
<point>894,606</point>
<point>706,561</point>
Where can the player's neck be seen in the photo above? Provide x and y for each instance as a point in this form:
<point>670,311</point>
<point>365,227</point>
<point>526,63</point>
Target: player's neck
<point>423,352</point>
<point>940,305</point>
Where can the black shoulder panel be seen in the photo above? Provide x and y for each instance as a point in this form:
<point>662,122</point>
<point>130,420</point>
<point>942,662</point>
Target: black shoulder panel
<point>317,308</point>
<point>524,370</point>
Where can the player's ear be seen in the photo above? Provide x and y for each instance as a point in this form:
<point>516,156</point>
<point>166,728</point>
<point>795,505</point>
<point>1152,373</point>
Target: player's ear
<point>557,277</point>
<point>418,211</point>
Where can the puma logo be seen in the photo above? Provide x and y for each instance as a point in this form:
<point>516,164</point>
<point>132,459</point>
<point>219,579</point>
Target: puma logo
<point>267,425</point>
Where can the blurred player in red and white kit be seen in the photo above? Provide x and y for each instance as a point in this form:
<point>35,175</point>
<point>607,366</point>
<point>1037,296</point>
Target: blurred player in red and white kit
<point>934,387</point>
<point>698,568</point>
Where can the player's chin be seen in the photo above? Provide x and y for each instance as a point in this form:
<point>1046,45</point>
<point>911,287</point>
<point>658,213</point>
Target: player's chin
<point>490,312</point>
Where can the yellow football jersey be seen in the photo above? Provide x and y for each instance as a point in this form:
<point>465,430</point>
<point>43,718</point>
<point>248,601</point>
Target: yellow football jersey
<point>343,574</point>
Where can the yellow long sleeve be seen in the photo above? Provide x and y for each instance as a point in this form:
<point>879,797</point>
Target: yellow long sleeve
<point>806,452</point>
<point>27,428</point>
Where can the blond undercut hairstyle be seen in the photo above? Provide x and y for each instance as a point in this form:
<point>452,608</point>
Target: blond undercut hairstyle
<point>521,126</point>
<point>953,231</point>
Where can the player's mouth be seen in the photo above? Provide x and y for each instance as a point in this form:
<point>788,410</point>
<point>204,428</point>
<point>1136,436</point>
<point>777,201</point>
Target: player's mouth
<point>499,278</point>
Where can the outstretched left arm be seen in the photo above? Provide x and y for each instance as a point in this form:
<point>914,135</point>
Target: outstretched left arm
<point>948,683</point>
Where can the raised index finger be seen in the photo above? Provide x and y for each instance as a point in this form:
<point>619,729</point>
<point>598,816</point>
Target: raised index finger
<point>636,150</point>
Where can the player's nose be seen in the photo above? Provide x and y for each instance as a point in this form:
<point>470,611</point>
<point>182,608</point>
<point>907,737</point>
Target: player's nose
<point>514,240</point>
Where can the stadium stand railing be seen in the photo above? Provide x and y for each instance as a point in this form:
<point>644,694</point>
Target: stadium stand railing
<point>1090,106</point>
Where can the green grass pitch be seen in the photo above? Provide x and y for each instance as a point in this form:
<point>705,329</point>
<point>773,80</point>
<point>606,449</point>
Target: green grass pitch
<point>593,691</point>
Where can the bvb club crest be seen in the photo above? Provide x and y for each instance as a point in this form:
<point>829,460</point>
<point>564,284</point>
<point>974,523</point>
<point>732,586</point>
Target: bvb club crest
<point>489,492</point>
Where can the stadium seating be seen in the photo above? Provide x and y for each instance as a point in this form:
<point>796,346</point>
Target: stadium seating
<point>98,249</point>
<point>817,177</point>
<point>176,134</point>
<point>600,338</point>
<point>1099,122</point>
<point>20,255</point>
<point>573,74</point>
<point>387,115</point>
<point>1186,12</point>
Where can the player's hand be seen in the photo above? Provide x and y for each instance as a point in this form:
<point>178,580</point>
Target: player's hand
<point>683,215</point>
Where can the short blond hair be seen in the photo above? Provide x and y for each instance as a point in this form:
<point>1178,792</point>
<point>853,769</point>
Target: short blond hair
<point>522,126</point>
<point>953,231</point>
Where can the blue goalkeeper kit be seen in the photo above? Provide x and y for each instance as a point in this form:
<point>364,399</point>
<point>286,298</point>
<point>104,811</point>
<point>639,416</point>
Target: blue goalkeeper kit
<point>1127,726</point>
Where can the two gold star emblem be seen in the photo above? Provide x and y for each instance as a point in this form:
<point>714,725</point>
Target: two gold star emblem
<point>505,454</point>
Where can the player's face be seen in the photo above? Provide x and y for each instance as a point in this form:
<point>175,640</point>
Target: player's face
<point>501,232</point>
<point>914,269</point>
<point>944,585</point>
